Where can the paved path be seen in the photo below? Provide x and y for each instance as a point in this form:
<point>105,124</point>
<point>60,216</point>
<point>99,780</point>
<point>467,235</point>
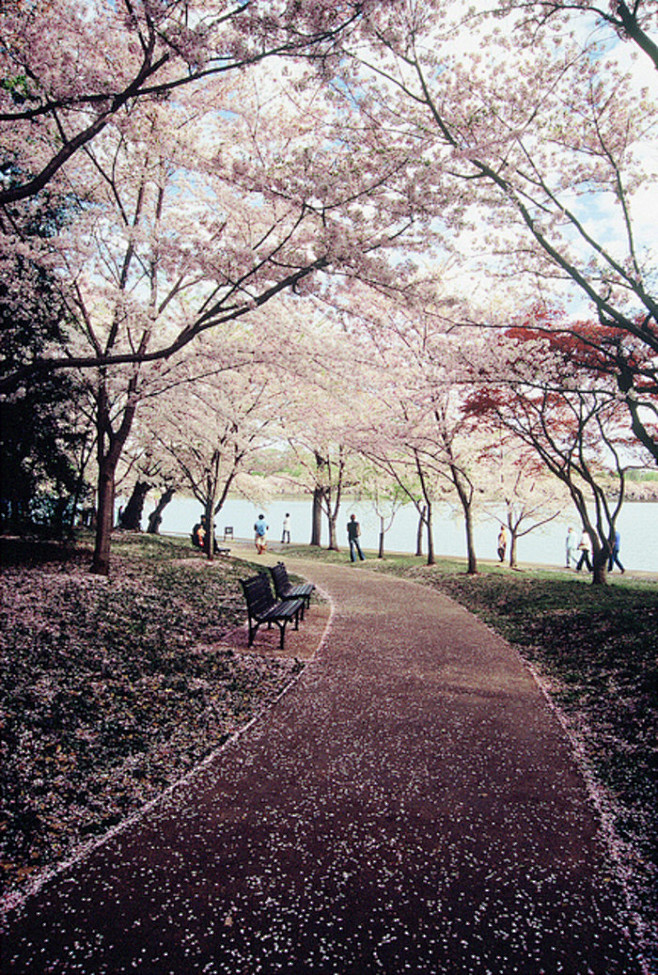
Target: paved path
<point>409,806</point>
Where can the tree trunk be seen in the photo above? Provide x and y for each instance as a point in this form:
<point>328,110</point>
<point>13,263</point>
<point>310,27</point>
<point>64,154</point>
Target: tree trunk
<point>599,565</point>
<point>333,542</point>
<point>419,532</point>
<point>316,517</point>
<point>131,517</point>
<point>109,445</point>
<point>426,512</point>
<point>155,518</point>
<point>470,542</point>
<point>209,537</point>
<point>381,537</point>
<point>431,560</point>
<point>512,550</point>
<point>465,493</point>
<point>104,518</point>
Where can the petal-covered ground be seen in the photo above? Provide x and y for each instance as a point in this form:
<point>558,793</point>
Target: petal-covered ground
<point>410,804</point>
<point>111,689</point>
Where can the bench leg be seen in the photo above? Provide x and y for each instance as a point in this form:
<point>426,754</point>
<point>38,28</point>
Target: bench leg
<point>282,631</point>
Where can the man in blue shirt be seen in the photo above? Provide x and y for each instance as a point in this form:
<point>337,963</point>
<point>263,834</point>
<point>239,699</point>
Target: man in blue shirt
<point>260,538</point>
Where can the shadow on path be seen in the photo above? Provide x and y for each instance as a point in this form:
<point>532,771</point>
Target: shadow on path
<point>410,805</point>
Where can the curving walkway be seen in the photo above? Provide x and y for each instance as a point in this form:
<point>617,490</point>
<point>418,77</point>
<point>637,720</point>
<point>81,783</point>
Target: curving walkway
<point>409,806</point>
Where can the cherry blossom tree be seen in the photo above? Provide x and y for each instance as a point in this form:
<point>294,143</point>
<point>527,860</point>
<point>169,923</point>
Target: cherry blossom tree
<point>149,276</point>
<point>320,409</point>
<point>632,22</point>
<point>522,486</point>
<point>212,428</point>
<point>426,442</point>
<point>575,427</point>
<point>405,469</point>
<point>446,446</point>
<point>385,495</point>
<point>69,70</point>
<point>324,467</point>
<point>532,154</point>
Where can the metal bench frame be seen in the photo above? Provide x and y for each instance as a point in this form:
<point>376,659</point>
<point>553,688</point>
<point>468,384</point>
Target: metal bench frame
<point>263,608</point>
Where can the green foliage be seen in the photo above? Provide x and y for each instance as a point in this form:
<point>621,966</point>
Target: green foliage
<point>642,476</point>
<point>41,438</point>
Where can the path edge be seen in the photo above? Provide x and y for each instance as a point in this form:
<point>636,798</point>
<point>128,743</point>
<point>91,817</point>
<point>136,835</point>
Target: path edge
<point>14,900</point>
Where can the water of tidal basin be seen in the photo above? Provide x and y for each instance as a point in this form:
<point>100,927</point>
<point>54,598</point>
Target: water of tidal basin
<point>638,526</point>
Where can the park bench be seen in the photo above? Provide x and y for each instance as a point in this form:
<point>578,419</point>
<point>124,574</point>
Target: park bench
<point>262,607</point>
<point>284,588</point>
<point>218,549</point>
<point>228,532</point>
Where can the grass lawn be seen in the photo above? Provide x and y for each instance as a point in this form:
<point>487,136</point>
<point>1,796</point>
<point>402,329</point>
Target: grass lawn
<point>113,688</point>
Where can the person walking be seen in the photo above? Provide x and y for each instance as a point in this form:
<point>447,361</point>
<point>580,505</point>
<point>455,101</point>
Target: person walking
<point>585,548</point>
<point>572,547</point>
<point>614,554</point>
<point>502,543</point>
<point>260,537</point>
<point>353,534</point>
<point>285,534</point>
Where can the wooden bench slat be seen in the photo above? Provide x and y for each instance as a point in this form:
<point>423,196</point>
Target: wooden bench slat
<point>285,589</point>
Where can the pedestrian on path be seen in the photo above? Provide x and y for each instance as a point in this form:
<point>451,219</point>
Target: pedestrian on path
<point>285,534</point>
<point>260,537</point>
<point>571,548</point>
<point>585,548</point>
<point>502,543</point>
<point>353,534</point>
<point>614,554</point>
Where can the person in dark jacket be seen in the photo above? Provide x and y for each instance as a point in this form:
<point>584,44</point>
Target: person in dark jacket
<point>353,534</point>
<point>614,554</point>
